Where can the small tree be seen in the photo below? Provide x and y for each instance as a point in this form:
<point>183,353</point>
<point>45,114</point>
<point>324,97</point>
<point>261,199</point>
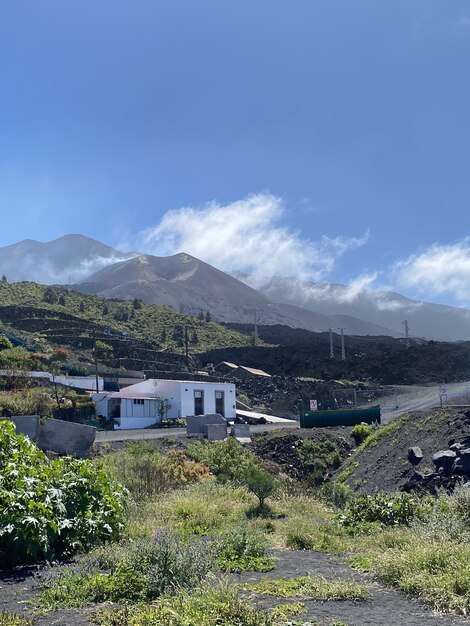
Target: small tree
<point>4,279</point>
<point>62,300</point>
<point>82,307</point>
<point>50,296</point>
<point>208,316</point>
<point>194,338</point>
<point>200,316</point>
<point>137,303</point>
<point>259,483</point>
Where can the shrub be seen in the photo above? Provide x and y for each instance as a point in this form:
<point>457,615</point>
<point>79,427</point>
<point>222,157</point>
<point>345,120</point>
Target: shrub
<point>381,509</point>
<point>312,587</point>
<point>337,493</point>
<point>317,458</point>
<point>50,509</point>
<point>27,402</point>
<point>227,459</point>
<point>145,472</point>
<point>132,572</point>
<point>360,432</point>
<point>244,549</point>
<point>447,518</point>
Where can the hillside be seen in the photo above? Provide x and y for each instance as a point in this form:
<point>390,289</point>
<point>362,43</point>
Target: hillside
<point>382,360</point>
<point>54,315</point>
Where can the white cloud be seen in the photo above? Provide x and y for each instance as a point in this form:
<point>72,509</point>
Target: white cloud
<point>437,270</point>
<point>246,235</point>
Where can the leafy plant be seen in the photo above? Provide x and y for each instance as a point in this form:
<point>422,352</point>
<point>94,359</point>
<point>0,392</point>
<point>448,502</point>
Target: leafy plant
<point>8,619</point>
<point>50,509</point>
<point>381,509</point>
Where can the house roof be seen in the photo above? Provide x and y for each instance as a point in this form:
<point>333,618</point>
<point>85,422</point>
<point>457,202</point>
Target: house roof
<point>254,371</point>
<point>228,364</point>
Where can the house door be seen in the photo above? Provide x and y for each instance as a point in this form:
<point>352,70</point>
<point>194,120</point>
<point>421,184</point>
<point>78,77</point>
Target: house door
<point>198,403</point>
<point>219,403</point>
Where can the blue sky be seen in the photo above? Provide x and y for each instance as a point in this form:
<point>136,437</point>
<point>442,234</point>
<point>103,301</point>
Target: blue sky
<point>348,121</point>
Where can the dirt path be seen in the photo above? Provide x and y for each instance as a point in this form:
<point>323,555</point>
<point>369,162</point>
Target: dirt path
<point>384,607</point>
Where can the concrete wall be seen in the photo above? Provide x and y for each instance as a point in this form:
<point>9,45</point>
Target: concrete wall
<point>66,438</point>
<point>26,425</point>
<point>197,424</point>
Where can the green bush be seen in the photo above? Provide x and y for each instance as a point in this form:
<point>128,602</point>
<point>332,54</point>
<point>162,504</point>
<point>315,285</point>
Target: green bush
<point>380,509</point>
<point>337,493</point>
<point>137,571</point>
<point>35,401</point>
<point>146,473</point>
<point>360,432</point>
<point>227,459</point>
<point>50,509</point>
<point>317,458</point>
<point>243,549</point>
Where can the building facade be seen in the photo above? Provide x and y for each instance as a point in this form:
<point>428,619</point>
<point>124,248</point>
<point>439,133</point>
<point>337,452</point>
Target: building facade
<point>149,402</point>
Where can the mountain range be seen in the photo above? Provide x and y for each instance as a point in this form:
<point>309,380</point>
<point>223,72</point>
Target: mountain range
<point>191,285</point>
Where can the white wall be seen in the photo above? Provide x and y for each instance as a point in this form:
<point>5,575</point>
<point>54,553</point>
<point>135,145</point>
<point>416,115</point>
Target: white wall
<point>209,389</point>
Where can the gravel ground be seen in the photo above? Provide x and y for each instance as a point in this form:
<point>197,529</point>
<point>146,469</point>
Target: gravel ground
<point>385,607</point>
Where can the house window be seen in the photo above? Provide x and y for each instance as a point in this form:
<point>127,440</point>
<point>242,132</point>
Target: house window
<point>198,402</point>
<point>219,403</point>
<point>138,401</point>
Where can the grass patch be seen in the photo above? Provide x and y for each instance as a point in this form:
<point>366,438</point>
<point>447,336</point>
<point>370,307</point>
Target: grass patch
<point>8,619</point>
<point>209,606</point>
<point>311,588</point>
<point>283,611</point>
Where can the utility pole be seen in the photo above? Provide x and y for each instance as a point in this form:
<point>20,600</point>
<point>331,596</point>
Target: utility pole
<point>186,344</point>
<point>255,329</point>
<point>343,350</point>
<point>407,333</point>
<point>332,348</point>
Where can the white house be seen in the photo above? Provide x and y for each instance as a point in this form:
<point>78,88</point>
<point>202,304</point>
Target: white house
<point>148,402</point>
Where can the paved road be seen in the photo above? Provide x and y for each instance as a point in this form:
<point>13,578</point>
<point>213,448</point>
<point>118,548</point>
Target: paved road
<point>407,398</point>
<point>160,433</point>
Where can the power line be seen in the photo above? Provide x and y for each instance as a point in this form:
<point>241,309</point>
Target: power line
<point>332,348</point>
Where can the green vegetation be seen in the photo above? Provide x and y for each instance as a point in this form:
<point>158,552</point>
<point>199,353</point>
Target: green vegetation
<point>7,619</point>
<point>312,588</point>
<point>244,549</point>
<point>396,510</point>
<point>145,472</point>
<point>52,508</point>
<point>259,483</point>
<point>360,432</point>
<point>161,325</point>
<point>284,611</point>
<point>209,606</point>
<point>318,457</point>
<point>136,571</point>
<point>228,460</point>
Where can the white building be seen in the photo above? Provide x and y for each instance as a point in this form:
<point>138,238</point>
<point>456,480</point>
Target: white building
<point>148,402</point>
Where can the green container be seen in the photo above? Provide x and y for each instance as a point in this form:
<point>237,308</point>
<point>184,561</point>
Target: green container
<point>340,417</point>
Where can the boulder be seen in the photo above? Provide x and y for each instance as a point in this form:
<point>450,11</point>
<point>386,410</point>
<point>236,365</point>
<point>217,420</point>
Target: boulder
<point>465,460</point>
<point>456,447</point>
<point>66,438</point>
<point>415,455</point>
<point>444,459</point>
